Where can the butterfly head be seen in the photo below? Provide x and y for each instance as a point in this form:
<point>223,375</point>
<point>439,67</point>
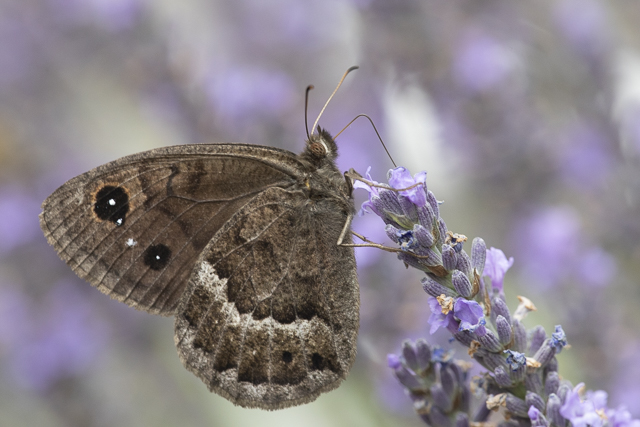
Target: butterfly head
<point>321,146</point>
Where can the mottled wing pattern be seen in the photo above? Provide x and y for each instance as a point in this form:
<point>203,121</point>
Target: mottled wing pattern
<point>134,227</point>
<point>270,315</point>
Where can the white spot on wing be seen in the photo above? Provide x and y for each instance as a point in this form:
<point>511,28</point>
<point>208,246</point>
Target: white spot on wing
<point>112,202</point>
<point>131,243</point>
<point>119,222</point>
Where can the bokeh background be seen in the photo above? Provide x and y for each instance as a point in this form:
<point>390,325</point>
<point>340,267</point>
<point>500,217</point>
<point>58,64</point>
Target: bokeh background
<point>526,116</point>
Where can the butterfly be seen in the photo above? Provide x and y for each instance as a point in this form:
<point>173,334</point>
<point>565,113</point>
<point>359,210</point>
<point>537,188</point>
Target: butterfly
<point>245,245</point>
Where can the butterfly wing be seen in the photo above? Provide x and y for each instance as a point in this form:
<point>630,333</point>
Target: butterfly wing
<point>134,228</point>
<point>270,316</point>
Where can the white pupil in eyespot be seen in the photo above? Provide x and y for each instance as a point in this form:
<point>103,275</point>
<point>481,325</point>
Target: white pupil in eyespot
<point>112,202</point>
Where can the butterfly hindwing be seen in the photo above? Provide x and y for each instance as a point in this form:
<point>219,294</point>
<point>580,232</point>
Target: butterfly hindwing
<point>270,316</point>
<point>134,227</point>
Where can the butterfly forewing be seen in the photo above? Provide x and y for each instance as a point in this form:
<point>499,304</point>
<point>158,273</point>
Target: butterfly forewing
<point>134,227</point>
<point>270,314</point>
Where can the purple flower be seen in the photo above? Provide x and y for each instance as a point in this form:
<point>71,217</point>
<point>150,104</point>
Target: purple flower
<point>401,178</point>
<point>469,313</point>
<point>393,361</point>
<point>437,319</point>
<point>621,418</point>
<point>495,266</point>
<point>583,414</point>
<point>368,206</point>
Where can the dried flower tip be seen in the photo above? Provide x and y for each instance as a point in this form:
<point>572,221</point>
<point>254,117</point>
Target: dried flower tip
<point>455,240</point>
<point>473,347</point>
<point>533,363</point>
<point>495,402</point>
<point>446,303</point>
<point>524,308</point>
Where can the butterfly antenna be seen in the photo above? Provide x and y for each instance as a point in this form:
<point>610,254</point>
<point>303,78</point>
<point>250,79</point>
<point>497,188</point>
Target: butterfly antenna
<point>374,128</point>
<point>306,108</point>
<point>355,67</point>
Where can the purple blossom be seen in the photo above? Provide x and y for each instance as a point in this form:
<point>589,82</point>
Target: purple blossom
<point>495,266</point>
<point>583,413</point>
<point>368,206</point>
<point>393,361</point>
<point>437,319</point>
<point>469,313</point>
<point>401,178</point>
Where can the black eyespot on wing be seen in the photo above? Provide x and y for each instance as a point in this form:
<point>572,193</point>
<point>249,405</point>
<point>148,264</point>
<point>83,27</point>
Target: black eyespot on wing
<point>157,256</point>
<point>112,204</point>
<point>317,362</point>
<point>287,357</point>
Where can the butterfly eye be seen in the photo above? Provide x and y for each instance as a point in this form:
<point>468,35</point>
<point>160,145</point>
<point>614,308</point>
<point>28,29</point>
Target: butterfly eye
<point>318,149</point>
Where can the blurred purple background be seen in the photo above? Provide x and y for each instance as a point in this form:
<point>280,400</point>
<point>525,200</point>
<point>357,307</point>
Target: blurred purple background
<point>526,116</point>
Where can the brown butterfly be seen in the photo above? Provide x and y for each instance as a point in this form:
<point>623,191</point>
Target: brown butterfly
<point>241,244</point>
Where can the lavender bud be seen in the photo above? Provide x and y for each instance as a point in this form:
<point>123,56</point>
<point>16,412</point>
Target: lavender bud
<point>490,342</point>
<point>504,330</point>
<point>533,382</point>
<point>538,335</point>
<point>426,217</point>
<point>502,377</point>
<point>440,398</point>
<point>464,337</point>
<point>490,360</point>
<point>393,232</point>
<point>553,410</point>
<point>410,357</point>
<point>533,399</point>
<point>545,353</point>
<point>464,399</point>
<point>423,235</point>
<point>438,418</point>
<point>448,380</point>
<point>516,406</point>
<point>518,375</point>
<point>442,228</point>
<point>461,283</point>
<point>423,354</point>
<point>449,257</point>
<point>408,208</point>
<point>389,202</point>
<point>519,336</point>
<point>408,379</point>
<point>563,390</point>
<point>478,254</point>
<point>435,289</point>
<point>433,202</point>
<point>462,420</point>
<point>464,263</point>
<point>499,307</point>
<point>551,383</point>
<point>551,366</point>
